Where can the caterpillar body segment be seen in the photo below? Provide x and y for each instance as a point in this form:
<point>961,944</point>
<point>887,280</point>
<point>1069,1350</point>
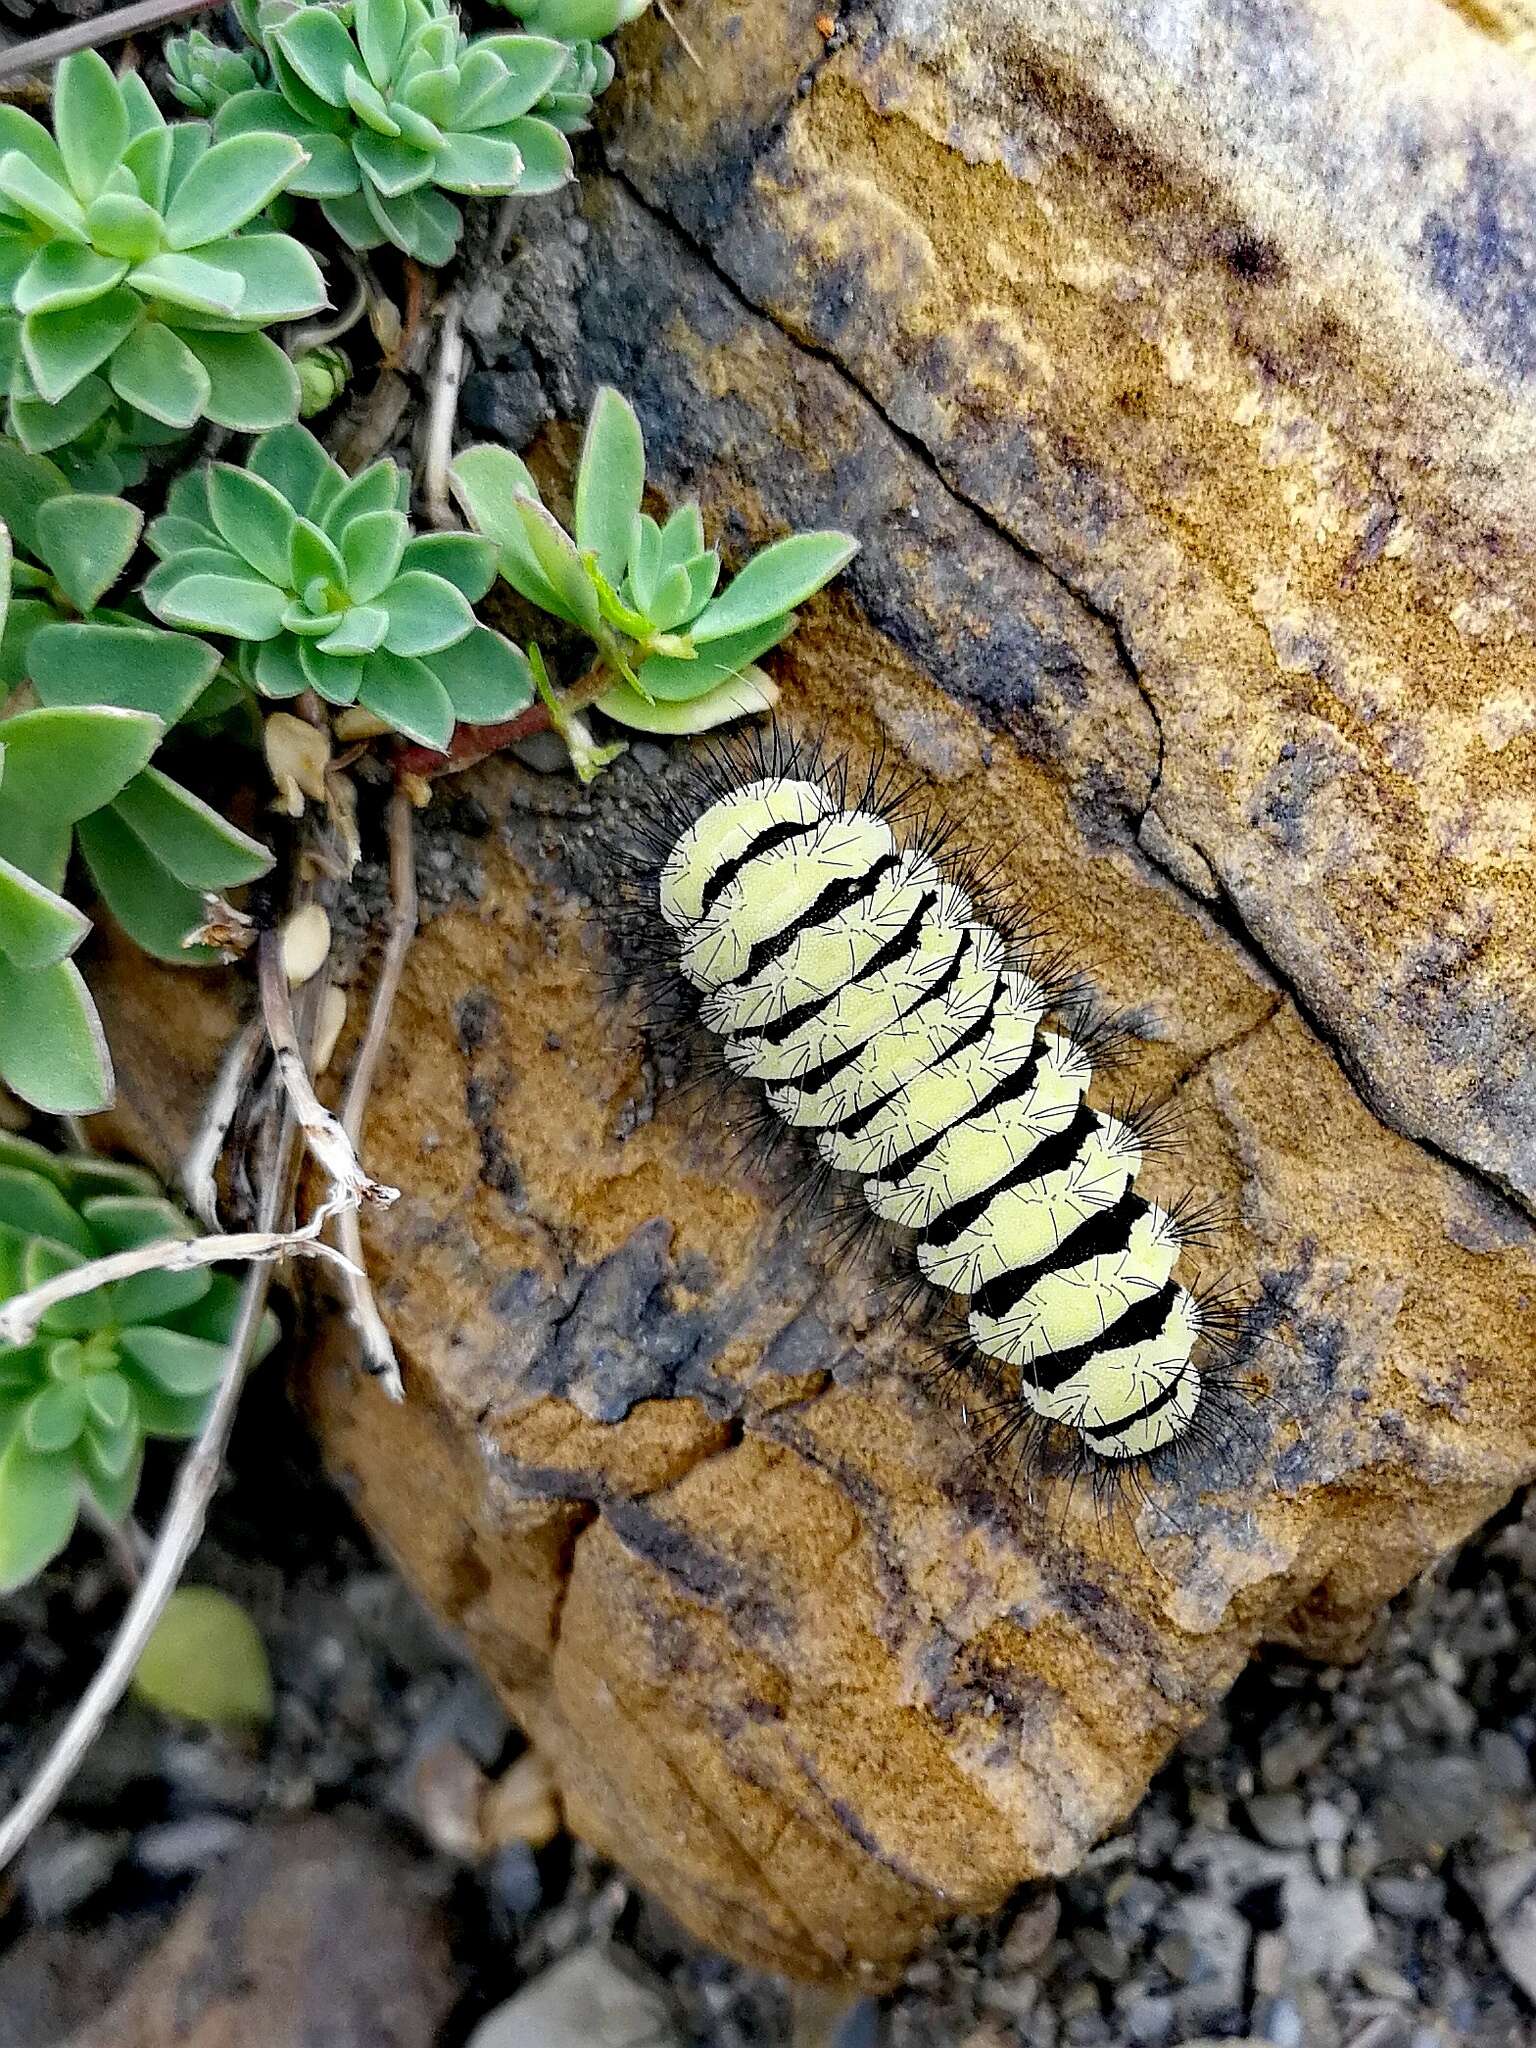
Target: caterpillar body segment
<point>946,1069</point>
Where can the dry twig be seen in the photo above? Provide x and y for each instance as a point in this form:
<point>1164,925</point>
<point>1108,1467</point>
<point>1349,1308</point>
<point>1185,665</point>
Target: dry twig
<point>437,440</point>
<point>362,1309</point>
<point>199,1169</point>
<point>20,1316</point>
<point>177,1538</point>
<point>41,51</point>
<point>324,1139</point>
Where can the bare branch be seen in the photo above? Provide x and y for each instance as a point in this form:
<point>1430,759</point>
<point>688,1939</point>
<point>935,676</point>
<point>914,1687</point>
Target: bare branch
<point>324,1139</point>
<point>20,1316</point>
<point>199,1169</point>
<point>42,51</point>
<point>677,29</point>
<point>321,333</point>
<point>177,1538</point>
<point>437,440</point>
<point>362,1309</point>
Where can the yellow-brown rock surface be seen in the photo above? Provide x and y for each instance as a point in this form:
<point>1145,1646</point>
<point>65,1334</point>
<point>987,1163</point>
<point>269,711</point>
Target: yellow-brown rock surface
<point>1173,360</point>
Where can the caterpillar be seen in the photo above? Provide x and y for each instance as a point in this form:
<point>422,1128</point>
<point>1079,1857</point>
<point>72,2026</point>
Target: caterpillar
<point>838,953</point>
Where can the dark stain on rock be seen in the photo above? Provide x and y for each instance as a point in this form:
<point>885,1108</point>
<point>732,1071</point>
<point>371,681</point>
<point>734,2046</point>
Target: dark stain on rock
<point>703,1574</point>
<point>475,1016</point>
<point>1480,255</point>
<point>498,1170</point>
<point>623,1338</point>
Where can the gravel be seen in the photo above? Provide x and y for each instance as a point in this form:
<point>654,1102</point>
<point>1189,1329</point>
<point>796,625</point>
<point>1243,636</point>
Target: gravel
<point>1337,1859</point>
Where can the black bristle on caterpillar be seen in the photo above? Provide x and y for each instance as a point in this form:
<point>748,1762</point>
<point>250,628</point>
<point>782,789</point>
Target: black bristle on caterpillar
<point>821,931</point>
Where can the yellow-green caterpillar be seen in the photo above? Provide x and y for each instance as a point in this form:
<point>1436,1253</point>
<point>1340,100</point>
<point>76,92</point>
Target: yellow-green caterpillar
<point>913,1045</point>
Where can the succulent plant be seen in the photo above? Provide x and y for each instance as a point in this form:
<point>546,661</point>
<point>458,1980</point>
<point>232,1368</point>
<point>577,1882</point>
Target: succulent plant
<point>115,451</point>
<point>124,271</point>
<point>587,75</point>
<point>55,765</point>
<point>204,74</point>
<point>575,20</point>
<point>151,846</point>
<point>323,374</point>
<point>398,109</point>
<point>319,581</point>
<point>106,1370</point>
<point>681,656</point>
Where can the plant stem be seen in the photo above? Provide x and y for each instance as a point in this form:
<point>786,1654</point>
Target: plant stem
<point>199,1169</point>
<point>472,743</point>
<point>177,1539</point>
<point>437,444</point>
<point>42,51</point>
<point>362,1309</point>
<point>324,1139</point>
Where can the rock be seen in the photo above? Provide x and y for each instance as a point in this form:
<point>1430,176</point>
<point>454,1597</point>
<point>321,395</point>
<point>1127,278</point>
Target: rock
<point>585,2001</point>
<point>1507,1897</point>
<point>311,1931</point>
<point>1328,1927</point>
<point>521,1806</point>
<point>1189,454</point>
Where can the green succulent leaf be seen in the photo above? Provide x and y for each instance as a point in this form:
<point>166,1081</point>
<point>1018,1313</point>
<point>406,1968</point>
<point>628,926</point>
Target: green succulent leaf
<point>408,696</point>
<point>318,47</point>
<point>150,1297</point>
<point>610,479</point>
<point>35,1207</point>
<point>187,836</point>
<point>278,669</point>
<point>90,121</point>
<point>488,482</point>
<point>153,908</point>
<point>39,1500</point>
<point>372,545</point>
<point>189,283</point>
<point>358,631</point>
<point>254,518</point>
<point>54,1417</point>
<point>425,614</point>
<point>742,697</point>
<point>486,677</point>
<point>37,927</point>
<point>19,131</point>
<point>27,484</point>
<point>463,559</point>
<point>41,199</point>
<point>181,1364</point>
<point>673,681</point>
<point>573,20</point>
<point>545,153</point>
<point>559,565</point>
<point>156,371</point>
<point>774,582</point>
<point>62,348</point>
<point>252,384</point>
<point>53,1052</point>
<point>223,604</point>
<point>228,186</point>
<point>60,765</point>
<point>135,668</point>
<point>62,275</point>
<point>123,1218</point>
<point>87,541</point>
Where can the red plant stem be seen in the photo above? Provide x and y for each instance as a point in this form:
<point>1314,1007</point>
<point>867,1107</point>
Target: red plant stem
<point>471,743</point>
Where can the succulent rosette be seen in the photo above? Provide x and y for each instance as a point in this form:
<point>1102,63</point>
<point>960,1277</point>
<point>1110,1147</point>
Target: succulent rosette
<point>397,110</point>
<point>321,584</point>
<point>132,270</point>
<point>106,1370</point>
